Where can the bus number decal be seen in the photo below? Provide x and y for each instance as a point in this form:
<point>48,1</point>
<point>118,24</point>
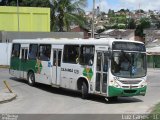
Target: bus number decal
<point>70,70</point>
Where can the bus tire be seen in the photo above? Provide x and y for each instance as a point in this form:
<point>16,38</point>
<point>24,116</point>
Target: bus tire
<point>84,90</point>
<point>31,79</point>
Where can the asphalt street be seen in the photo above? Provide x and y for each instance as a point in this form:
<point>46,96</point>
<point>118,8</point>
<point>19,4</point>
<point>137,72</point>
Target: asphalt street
<point>44,99</point>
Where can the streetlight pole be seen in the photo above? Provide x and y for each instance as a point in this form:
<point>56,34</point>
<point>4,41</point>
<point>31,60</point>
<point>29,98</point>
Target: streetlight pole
<point>93,11</point>
<point>18,13</point>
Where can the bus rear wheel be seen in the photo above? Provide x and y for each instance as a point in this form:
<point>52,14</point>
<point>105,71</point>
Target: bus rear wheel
<point>84,89</point>
<point>31,79</point>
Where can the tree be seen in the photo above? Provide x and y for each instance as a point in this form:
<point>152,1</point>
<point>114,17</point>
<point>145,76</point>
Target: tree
<point>139,31</point>
<point>124,10</point>
<point>111,13</point>
<point>131,24</point>
<point>69,12</point>
<point>140,11</point>
<point>143,24</point>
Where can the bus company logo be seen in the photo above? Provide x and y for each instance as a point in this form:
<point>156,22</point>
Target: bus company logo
<point>38,66</point>
<point>88,73</point>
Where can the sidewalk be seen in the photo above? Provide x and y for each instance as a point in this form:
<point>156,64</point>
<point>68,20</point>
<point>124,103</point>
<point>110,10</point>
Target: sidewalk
<point>7,96</point>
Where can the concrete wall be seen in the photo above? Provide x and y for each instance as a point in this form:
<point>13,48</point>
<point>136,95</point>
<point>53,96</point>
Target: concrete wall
<point>5,53</point>
<point>9,36</point>
<point>29,19</point>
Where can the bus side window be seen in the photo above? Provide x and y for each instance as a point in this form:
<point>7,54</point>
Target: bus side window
<point>87,55</point>
<point>71,54</point>
<point>33,51</point>
<point>44,52</point>
<point>16,50</point>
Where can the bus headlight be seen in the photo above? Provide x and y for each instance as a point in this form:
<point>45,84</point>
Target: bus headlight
<point>116,84</point>
<point>144,83</point>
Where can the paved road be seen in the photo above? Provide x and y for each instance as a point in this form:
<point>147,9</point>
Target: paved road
<point>47,100</point>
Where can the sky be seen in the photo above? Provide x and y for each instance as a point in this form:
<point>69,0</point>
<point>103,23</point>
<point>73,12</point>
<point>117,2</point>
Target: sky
<point>126,4</point>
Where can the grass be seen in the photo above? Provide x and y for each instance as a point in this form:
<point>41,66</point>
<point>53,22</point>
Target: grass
<point>155,113</point>
<point>156,109</point>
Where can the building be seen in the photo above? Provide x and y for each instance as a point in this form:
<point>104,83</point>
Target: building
<point>119,34</point>
<point>80,29</point>
<point>152,41</point>
<point>24,19</point>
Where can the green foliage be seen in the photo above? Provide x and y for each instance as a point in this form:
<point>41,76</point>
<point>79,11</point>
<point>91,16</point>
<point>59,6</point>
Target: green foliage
<point>156,109</point>
<point>155,114</point>
<point>143,24</point>
<point>139,31</point>
<point>140,11</point>
<point>115,26</point>
<point>124,10</point>
<point>122,20</point>
<point>131,24</point>
<point>121,26</point>
<point>111,13</point>
<point>68,12</point>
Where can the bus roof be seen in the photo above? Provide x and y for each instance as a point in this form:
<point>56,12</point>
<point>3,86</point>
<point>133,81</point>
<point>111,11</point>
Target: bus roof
<point>62,41</point>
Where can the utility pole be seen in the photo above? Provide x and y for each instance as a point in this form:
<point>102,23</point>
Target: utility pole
<point>18,13</point>
<point>93,12</point>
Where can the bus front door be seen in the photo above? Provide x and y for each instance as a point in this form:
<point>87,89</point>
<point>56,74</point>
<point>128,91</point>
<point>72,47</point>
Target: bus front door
<point>101,72</point>
<point>56,71</point>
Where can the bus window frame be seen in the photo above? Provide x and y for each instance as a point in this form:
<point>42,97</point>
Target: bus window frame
<point>37,52</point>
<point>39,57</point>
<point>13,55</point>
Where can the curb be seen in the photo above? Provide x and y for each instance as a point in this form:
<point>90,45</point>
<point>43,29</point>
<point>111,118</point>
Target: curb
<point>5,99</point>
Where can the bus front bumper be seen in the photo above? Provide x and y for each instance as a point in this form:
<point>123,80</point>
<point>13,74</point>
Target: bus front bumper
<point>113,91</point>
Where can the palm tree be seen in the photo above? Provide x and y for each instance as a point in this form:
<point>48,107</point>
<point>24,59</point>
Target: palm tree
<point>66,12</point>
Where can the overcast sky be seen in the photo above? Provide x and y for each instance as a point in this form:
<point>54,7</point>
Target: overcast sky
<point>127,4</point>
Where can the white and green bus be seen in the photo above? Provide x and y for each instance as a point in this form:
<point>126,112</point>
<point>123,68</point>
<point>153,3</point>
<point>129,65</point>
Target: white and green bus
<point>106,67</point>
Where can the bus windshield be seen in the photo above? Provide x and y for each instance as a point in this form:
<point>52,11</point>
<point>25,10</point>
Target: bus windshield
<point>128,64</point>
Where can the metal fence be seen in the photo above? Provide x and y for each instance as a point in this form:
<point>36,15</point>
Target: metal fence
<point>153,61</point>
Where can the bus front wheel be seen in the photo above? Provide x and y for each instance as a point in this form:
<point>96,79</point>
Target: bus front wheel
<point>84,90</point>
<point>31,79</point>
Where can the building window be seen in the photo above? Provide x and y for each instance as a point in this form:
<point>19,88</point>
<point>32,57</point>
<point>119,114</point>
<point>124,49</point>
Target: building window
<point>71,54</point>
<point>16,50</point>
<point>33,51</point>
<point>44,52</point>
